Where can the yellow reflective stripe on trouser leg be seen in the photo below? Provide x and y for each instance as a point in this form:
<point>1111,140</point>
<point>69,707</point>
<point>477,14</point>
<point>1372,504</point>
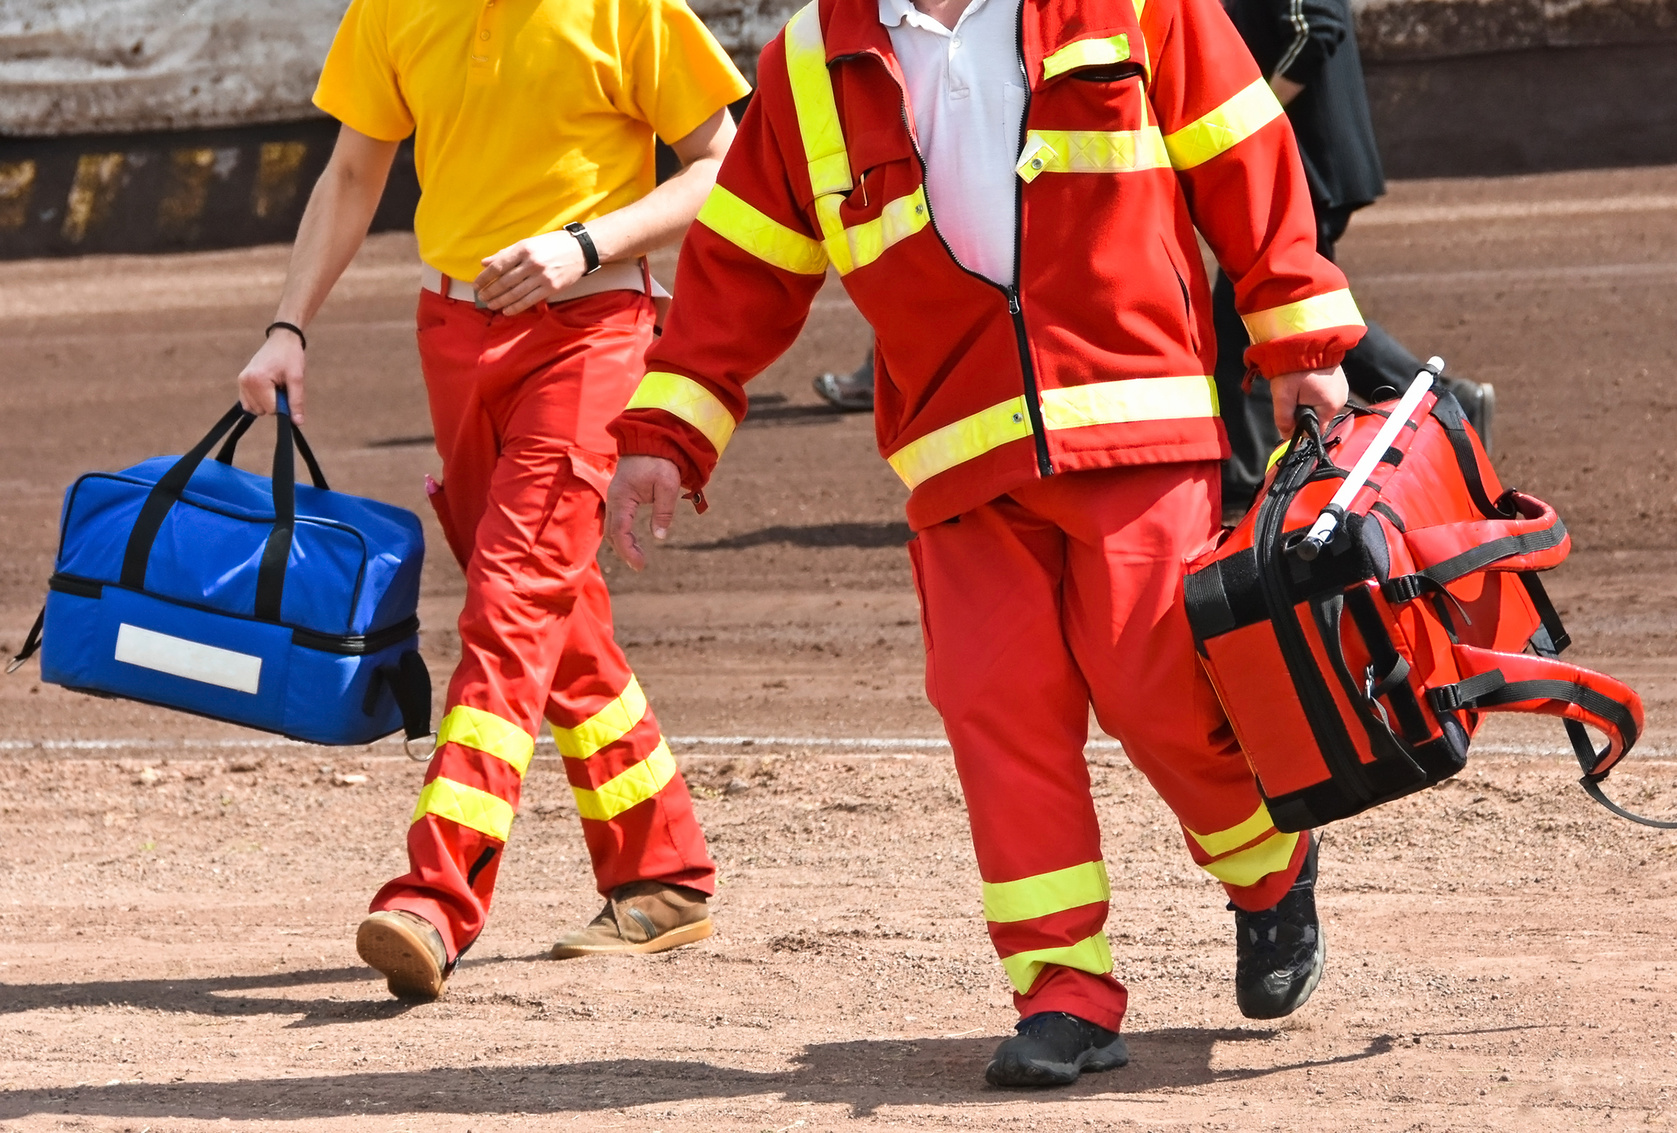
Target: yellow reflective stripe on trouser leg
<point>1243,115</point>
<point>1086,53</point>
<point>1319,312</point>
<point>631,788</point>
<point>468,806</point>
<point>1253,864</point>
<point>1236,836</point>
<point>1091,954</point>
<point>488,733</point>
<point>749,229</point>
<point>1047,893</point>
<point>685,398</point>
<point>606,726</point>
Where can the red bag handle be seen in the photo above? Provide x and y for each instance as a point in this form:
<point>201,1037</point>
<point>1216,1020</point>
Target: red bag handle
<point>1533,538</point>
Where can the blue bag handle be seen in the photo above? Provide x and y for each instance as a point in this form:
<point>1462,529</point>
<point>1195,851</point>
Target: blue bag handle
<point>270,576</point>
<point>231,445</point>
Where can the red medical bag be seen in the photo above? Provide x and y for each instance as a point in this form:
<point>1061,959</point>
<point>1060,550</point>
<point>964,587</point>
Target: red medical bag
<point>1356,671</point>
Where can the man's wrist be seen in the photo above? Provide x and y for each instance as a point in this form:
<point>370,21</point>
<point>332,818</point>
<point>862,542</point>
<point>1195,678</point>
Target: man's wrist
<point>288,327</point>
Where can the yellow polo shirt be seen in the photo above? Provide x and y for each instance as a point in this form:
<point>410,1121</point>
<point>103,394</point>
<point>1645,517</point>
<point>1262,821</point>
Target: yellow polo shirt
<point>526,114</point>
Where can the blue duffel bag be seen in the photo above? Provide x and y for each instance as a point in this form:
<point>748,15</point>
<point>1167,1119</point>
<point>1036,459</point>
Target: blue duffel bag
<point>195,585</point>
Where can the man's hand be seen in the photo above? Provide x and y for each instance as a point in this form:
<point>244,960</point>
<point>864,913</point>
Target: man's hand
<point>1285,89</point>
<point>1324,391</point>
<point>277,365</point>
<point>529,272</point>
<point>640,480</point>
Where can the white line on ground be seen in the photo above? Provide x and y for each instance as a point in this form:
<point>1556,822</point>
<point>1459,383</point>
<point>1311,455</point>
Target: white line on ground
<point>1393,215</point>
<point>849,747</point>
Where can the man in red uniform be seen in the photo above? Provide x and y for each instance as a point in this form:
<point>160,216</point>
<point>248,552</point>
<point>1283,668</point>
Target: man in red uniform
<point>1010,194</point>
<point>533,125</point>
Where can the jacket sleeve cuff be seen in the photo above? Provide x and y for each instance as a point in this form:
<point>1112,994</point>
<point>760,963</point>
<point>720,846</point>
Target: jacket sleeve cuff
<point>638,438</point>
<point>1322,350</point>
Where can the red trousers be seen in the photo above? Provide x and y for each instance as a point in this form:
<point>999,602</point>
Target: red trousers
<point>520,406</point>
<point>1065,593</point>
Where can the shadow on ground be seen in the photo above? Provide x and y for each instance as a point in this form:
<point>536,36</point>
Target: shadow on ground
<point>814,535</point>
<point>223,995</point>
<point>864,1075</point>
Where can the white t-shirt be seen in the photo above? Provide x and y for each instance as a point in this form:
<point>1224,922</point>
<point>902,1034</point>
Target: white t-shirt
<point>967,95</point>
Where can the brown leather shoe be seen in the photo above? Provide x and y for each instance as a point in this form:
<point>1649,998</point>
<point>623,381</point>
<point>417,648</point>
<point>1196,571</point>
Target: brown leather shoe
<point>408,949</point>
<point>643,916</point>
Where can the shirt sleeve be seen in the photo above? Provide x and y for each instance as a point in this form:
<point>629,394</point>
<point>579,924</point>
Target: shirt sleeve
<point>677,75</point>
<point>358,85</point>
<point>1312,31</point>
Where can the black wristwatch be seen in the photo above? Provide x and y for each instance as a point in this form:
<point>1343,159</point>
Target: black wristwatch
<point>590,254</point>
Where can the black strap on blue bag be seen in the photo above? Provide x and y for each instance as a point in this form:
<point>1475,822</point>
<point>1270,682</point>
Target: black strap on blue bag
<point>231,445</point>
<point>270,577</point>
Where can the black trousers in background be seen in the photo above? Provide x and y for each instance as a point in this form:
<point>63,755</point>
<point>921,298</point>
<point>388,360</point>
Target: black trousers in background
<point>1378,362</point>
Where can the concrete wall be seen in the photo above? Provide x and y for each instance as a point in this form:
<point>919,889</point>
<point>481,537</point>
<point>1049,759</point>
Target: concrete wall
<point>134,125</point>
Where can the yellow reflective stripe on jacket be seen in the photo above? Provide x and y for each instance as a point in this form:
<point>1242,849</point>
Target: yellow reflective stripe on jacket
<point>687,399</point>
<point>1092,151</point>
<point>1134,399</point>
<point>1087,53</point>
<point>605,727</point>
<point>468,806</point>
<point>1236,836</point>
<point>628,789</point>
<point>743,226</point>
<point>1046,893</point>
<point>1224,128</point>
<point>1101,403</point>
<point>1091,954</point>
<point>1252,865</point>
<point>812,95</point>
<point>1335,309</point>
<point>955,443</point>
<point>862,244</point>
<point>488,733</point>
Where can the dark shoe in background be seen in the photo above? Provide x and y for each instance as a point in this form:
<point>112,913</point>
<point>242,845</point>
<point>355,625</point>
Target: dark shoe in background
<point>852,392</point>
<point>1478,401</point>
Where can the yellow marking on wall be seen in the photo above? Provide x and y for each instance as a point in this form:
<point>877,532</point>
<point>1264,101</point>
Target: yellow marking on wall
<point>17,186</point>
<point>92,193</point>
<point>188,189</point>
<point>277,172</point>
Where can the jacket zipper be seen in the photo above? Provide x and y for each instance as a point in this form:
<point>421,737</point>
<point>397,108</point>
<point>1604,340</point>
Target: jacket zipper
<point>1033,408</point>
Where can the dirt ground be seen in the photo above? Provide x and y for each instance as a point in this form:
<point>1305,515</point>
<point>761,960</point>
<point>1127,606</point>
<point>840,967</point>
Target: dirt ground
<point>178,898</point>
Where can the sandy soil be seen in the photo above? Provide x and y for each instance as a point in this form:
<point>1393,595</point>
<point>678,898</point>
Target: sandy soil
<point>178,898</point>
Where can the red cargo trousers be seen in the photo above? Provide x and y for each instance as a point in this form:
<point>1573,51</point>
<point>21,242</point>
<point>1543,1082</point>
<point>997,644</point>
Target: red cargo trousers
<point>1065,593</point>
<point>520,406</point>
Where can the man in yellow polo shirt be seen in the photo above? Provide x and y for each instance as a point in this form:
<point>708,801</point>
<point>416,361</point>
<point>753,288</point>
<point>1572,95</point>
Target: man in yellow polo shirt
<point>533,124</point>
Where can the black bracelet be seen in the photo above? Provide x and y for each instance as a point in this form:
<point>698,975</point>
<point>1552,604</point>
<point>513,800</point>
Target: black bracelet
<point>590,254</point>
<point>292,327</point>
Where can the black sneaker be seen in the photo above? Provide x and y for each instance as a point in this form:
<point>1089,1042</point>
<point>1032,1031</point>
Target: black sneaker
<point>1478,402</point>
<point>1280,952</point>
<point>1052,1049</point>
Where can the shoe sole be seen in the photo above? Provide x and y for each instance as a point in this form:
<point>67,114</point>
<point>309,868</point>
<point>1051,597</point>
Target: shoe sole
<point>675,938</point>
<point>1293,1002</point>
<point>1034,1074</point>
<point>401,954</point>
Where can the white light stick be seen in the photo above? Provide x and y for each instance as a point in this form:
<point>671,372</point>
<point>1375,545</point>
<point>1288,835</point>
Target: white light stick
<point>1322,531</point>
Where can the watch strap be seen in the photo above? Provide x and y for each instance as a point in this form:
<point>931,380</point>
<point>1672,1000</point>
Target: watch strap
<point>590,254</point>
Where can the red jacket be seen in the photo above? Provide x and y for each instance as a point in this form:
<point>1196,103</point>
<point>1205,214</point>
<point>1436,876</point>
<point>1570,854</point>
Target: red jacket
<point>1145,119</point>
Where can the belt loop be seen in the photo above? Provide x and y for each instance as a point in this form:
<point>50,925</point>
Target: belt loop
<point>646,277</point>
<point>445,286</point>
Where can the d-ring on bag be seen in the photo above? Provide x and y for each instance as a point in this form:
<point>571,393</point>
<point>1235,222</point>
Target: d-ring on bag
<point>1360,621</point>
<point>199,586</point>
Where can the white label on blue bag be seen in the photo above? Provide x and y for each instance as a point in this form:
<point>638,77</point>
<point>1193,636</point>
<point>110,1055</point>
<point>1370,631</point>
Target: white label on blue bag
<point>190,659</point>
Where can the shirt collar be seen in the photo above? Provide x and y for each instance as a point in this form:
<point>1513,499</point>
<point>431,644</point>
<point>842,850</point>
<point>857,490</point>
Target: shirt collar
<point>892,13</point>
